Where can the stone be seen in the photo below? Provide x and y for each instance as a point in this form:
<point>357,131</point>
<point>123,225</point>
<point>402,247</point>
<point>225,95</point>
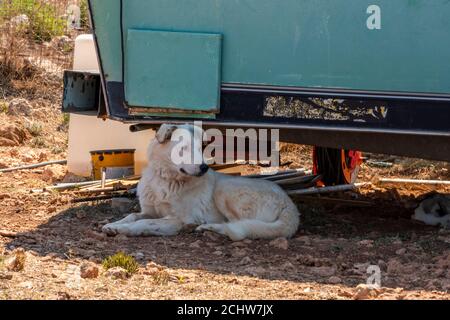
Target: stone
<point>63,296</point>
<point>20,20</point>
<point>306,260</point>
<point>87,254</point>
<point>72,178</point>
<point>16,261</point>
<point>117,273</point>
<point>138,256</point>
<point>245,261</point>
<point>196,244</point>
<point>345,293</point>
<point>238,253</point>
<point>40,114</point>
<point>444,262</point>
<point>97,235</point>
<point>255,271</point>
<point>323,271</point>
<point>360,268</point>
<point>366,243</point>
<point>287,266</point>
<point>149,271</point>
<point>26,284</point>
<point>394,266</point>
<point>88,271</point>
<point>241,244</point>
<point>81,214</point>
<point>400,252</point>
<point>382,264</point>
<point>5,276</point>
<point>4,142</point>
<point>19,107</point>
<point>43,156</point>
<point>95,260</point>
<point>28,156</point>
<point>334,280</point>
<point>121,237</point>
<point>305,239</point>
<point>280,243</point>
<point>212,236</point>
<point>54,173</point>
<point>61,42</point>
<point>153,266</point>
<point>445,285</point>
<point>439,273</point>
<point>432,285</point>
<point>12,135</point>
<point>364,292</point>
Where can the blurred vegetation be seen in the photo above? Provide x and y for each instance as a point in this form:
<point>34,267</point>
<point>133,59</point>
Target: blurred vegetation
<point>42,21</point>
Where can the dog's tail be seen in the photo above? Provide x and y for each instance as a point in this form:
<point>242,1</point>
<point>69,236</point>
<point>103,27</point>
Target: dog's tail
<point>285,226</point>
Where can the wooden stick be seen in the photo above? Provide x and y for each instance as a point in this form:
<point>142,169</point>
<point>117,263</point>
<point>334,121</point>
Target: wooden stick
<point>109,189</point>
<point>110,182</point>
<point>99,198</point>
<point>103,181</point>
<point>345,187</point>
<point>65,186</point>
<point>33,166</point>
<point>73,184</point>
<point>8,234</point>
<point>412,181</point>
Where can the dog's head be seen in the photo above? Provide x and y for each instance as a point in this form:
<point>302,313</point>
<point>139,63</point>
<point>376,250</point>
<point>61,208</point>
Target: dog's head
<point>178,149</point>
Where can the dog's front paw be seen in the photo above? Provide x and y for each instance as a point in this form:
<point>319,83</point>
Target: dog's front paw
<point>110,229</point>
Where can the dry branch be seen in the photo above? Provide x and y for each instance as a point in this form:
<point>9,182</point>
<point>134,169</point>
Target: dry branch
<point>8,234</point>
<point>33,166</point>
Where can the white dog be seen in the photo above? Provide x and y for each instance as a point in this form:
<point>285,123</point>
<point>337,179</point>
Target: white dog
<point>175,196</point>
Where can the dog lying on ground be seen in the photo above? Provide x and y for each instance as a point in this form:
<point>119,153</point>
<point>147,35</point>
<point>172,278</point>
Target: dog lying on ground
<point>434,211</point>
<point>177,196</point>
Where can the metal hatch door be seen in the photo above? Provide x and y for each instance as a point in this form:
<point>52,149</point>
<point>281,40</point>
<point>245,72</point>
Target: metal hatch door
<point>172,73</point>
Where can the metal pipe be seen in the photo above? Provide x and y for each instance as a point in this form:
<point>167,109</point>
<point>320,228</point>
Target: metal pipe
<point>339,188</point>
<point>412,181</point>
<point>33,166</point>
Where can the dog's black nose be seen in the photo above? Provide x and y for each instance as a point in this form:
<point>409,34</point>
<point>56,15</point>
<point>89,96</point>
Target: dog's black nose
<point>204,168</point>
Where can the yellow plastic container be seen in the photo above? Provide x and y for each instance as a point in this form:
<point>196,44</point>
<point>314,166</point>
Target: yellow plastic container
<point>117,163</point>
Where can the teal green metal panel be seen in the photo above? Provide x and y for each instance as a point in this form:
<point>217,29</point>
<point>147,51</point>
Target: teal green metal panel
<point>106,17</point>
<point>173,70</point>
<point>309,43</point>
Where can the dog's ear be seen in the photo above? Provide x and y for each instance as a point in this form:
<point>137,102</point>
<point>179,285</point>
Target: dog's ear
<point>164,133</point>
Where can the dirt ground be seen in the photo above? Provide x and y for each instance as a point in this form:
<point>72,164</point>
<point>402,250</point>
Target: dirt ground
<point>327,259</point>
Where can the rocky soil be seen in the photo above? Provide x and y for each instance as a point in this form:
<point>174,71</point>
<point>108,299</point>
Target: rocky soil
<point>51,248</point>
